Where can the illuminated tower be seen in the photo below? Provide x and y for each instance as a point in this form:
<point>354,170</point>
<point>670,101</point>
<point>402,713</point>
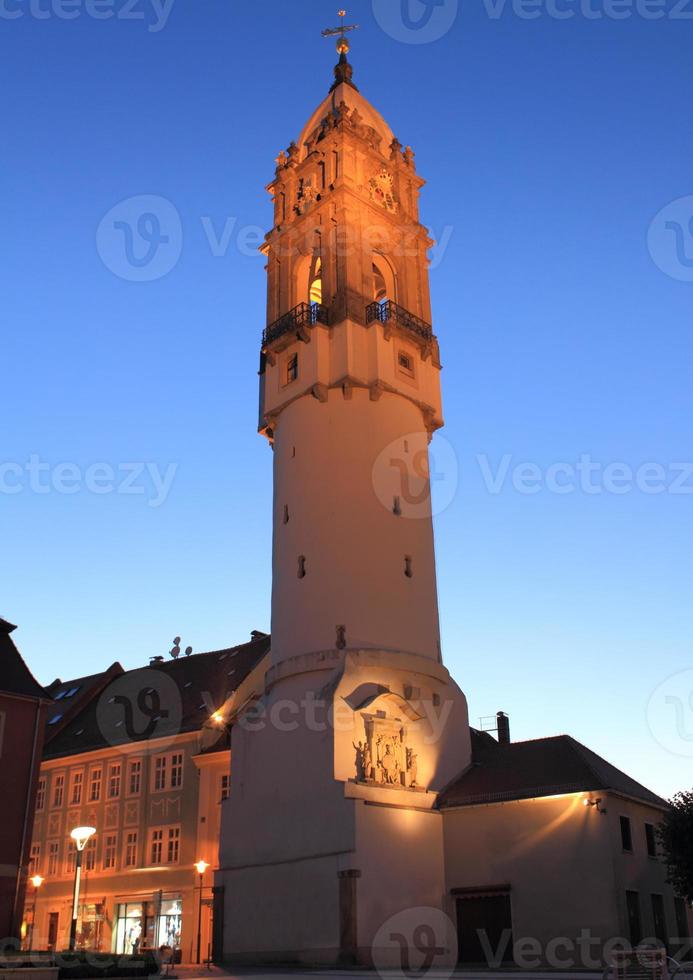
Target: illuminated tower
<point>331,827</point>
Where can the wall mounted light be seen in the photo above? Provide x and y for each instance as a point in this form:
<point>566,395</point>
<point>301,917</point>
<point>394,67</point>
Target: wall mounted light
<point>595,803</point>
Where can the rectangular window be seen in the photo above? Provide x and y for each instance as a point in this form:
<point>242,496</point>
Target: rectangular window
<point>89,858</point>
<point>634,922</point>
<point>35,859</point>
<point>651,839</point>
<point>405,363</point>
<point>291,368</point>
<point>156,845</point>
<point>176,770</point>
<point>224,787</point>
<point>41,793</point>
<point>53,853</point>
<point>160,772</point>
<point>134,777</point>
<point>626,834</point>
<point>95,785</point>
<point>77,782</point>
<point>659,919</point>
<point>114,780</point>
<point>173,849</point>
<point>58,790</point>
<point>110,843</point>
<point>70,857</point>
<point>131,849</point>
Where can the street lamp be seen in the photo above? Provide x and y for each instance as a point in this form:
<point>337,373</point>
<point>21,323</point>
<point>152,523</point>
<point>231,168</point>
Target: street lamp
<point>201,867</point>
<point>80,836</point>
<point>36,881</point>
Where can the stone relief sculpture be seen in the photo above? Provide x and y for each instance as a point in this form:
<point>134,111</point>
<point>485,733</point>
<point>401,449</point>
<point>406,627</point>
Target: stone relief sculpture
<point>383,758</point>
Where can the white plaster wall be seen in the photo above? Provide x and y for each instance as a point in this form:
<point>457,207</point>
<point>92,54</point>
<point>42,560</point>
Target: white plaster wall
<point>354,545</point>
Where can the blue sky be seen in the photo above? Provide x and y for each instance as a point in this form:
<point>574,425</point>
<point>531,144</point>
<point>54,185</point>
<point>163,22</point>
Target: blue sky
<point>549,146</point>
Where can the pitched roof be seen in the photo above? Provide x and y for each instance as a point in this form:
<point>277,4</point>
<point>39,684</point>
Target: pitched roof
<point>542,767</point>
<point>73,695</point>
<point>137,704</point>
<point>15,676</point>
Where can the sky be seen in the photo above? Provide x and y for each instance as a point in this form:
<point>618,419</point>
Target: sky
<point>556,139</point>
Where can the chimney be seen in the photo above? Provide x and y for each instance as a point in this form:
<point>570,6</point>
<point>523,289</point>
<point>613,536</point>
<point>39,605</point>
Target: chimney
<point>503,723</point>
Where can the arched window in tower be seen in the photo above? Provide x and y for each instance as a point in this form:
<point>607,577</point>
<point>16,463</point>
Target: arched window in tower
<point>315,285</point>
<point>383,280</point>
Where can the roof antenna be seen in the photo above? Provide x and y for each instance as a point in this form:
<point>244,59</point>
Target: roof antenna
<point>188,651</point>
<point>175,653</point>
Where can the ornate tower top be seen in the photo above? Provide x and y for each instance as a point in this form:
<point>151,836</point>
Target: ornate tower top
<point>343,71</point>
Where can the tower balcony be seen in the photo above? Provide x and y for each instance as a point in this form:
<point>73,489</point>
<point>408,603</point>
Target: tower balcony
<point>295,322</point>
<point>389,312</point>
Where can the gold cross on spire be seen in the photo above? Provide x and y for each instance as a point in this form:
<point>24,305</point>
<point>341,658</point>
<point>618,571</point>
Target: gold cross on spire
<point>340,32</point>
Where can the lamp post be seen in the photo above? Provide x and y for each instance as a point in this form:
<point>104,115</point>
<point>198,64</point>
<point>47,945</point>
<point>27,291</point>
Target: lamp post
<point>80,836</point>
<point>36,881</point>
<point>201,867</point>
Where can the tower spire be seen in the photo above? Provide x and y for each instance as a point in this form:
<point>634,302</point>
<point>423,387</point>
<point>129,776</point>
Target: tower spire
<point>343,71</point>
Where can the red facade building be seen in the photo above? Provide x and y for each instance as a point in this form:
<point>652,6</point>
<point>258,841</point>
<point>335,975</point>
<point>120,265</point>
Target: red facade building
<point>23,704</point>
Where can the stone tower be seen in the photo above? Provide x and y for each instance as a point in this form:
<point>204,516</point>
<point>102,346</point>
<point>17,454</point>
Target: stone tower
<point>337,758</point>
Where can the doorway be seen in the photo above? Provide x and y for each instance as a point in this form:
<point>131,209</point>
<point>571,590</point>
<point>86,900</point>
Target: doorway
<point>484,928</point>
<point>53,929</point>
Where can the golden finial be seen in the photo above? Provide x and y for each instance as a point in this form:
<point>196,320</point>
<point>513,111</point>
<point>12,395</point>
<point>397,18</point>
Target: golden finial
<point>339,33</point>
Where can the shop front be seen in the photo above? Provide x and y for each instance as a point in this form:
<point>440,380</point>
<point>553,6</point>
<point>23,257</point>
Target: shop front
<point>148,922</point>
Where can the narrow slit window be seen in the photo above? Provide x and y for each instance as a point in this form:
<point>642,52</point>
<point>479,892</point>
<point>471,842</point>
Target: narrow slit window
<point>286,514</point>
<point>301,566</point>
<point>405,363</point>
<point>291,368</point>
<point>397,507</point>
<point>408,571</point>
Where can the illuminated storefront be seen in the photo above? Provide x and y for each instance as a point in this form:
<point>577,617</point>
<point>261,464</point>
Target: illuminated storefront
<point>148,923</point>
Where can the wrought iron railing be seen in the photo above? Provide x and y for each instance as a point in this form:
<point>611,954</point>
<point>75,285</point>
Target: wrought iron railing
<point>391,311</point>
<point>303,315</point>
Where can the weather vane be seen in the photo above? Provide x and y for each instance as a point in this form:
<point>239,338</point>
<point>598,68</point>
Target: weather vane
<point>340,32</point>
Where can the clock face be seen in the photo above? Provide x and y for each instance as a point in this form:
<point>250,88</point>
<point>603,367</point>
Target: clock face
<point>382,191</point>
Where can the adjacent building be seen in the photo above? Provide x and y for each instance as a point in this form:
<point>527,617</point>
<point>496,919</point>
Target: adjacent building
<point>143,758</point>
<point>23,706</point>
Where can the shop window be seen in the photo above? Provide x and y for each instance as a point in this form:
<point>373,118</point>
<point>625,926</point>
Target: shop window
<point>148,924</point>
